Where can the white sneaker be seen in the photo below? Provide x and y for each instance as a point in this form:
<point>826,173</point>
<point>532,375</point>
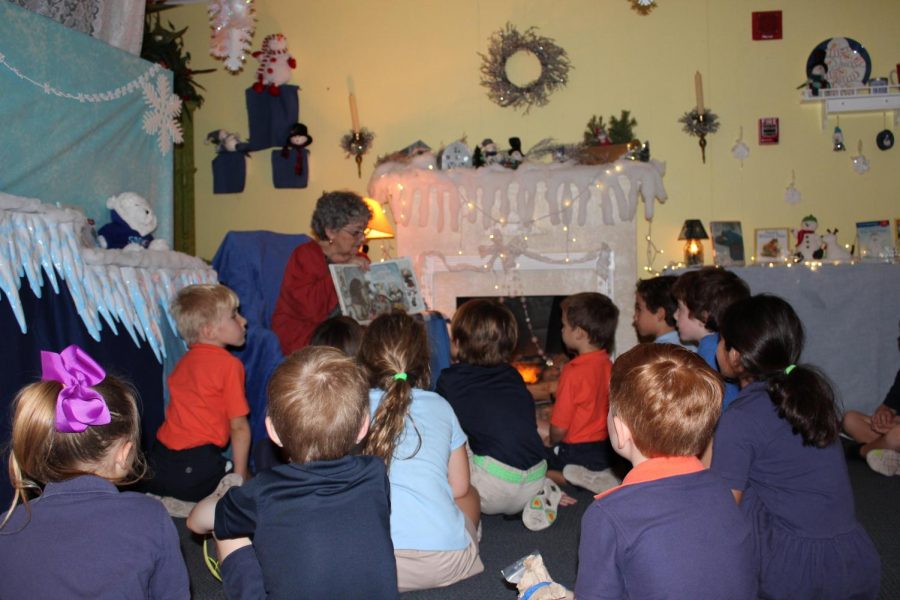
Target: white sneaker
<point>174,506</point>
<point>884,461</point>
<point>595,481</point>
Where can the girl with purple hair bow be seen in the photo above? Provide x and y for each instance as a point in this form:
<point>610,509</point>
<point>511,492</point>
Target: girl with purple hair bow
<point>69,532</point>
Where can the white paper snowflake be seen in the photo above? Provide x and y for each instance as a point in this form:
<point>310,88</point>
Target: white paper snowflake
<point>162,117</point>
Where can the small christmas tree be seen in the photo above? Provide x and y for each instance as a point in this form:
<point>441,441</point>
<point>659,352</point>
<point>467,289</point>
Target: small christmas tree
<point>595,134</point>
<point>621,129</point>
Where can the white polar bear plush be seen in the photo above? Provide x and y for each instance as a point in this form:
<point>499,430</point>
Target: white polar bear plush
<point>133,220</point>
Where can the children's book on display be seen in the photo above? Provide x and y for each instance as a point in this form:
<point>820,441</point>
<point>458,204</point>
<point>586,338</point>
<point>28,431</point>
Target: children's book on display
<point>384,287</point>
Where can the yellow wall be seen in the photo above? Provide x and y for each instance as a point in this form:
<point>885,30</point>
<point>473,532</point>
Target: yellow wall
<point>415,68</point>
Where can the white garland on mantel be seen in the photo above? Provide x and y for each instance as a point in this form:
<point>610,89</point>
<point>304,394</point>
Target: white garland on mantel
<point>421,184</point>
<point>132,288</point>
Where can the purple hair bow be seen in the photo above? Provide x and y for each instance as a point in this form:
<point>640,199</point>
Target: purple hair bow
<point>77,405</point>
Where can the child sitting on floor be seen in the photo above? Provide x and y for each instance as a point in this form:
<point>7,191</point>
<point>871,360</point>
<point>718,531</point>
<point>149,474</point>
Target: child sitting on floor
<point>76,435</point>
<point>671,529</point>
<point>777,448</point>
<point>878,435</point>
<point>434,511</point>
<point>207,403</point>
<point>702,296</point>
<point>320,524</point>
<point>654,311</point>
<point>497,413</point>
<point>579,447</point>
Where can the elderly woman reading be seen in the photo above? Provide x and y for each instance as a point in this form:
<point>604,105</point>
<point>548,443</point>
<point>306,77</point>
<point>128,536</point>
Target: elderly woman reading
<point>307,295</point>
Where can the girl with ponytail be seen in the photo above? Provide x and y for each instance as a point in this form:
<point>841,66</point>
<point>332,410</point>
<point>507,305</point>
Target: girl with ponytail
<point>777,447</point>
<point>434,511</point>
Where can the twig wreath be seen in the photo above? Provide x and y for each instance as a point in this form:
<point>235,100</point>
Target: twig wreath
<point>507,42</point>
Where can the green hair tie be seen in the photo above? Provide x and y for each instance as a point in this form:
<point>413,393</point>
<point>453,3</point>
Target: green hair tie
<point>402,376</point>
<point>789,368</point>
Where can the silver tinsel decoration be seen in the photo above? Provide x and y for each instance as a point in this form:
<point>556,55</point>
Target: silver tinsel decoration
<point>359,147</point>
<point>506,42</point>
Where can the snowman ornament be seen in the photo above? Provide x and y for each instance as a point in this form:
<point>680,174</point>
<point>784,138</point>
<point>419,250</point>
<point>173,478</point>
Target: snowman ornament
<point>275,64</point>
<point>809,243</point>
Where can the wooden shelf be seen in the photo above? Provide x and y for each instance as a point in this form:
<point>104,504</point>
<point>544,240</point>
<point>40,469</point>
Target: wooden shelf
<point>855,100</point>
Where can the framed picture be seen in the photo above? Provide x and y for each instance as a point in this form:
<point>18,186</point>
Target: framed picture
<point>728,243</point>
<point>772,245</point>
<point>875,240</point>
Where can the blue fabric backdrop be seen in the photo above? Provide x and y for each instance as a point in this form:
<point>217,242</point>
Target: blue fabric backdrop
<point>73,111</point>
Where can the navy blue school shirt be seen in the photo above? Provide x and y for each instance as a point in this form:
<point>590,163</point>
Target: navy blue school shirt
<point>496,411</point>
<point>85,539</point>
<point>320,529</point>
<point>892,400</point>
<point>671,530</point>
<point>799,501</point>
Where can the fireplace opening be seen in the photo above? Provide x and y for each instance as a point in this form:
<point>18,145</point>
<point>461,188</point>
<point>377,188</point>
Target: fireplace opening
<point>539,321</point>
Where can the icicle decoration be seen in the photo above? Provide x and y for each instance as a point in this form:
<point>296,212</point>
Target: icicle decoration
<point>116,287</point>
<point>232,23</point>
<point>459,194</point>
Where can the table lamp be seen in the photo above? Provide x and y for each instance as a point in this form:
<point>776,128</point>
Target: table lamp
<point>378,228</point>
<point>692,232</point>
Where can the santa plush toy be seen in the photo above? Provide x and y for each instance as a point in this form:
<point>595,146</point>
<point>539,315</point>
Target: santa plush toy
<point>275,64</point>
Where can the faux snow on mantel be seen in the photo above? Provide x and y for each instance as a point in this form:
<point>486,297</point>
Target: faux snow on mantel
<point>542,229</point>
<point>132,289</point>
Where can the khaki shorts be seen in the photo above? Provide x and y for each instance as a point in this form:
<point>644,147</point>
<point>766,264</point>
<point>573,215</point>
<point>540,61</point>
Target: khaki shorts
<point>422,570</point>
<point>503,496</point>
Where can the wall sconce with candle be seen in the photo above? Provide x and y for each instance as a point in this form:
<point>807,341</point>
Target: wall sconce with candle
<point>692,232</point>
<point>699,122</point>
<point>359,140</point>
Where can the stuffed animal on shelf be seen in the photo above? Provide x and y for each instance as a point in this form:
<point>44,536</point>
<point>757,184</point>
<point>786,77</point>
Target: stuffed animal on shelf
<point>833,250</point>
<point>132,221</point>
<point>809,243</point>
<point>275,64</point>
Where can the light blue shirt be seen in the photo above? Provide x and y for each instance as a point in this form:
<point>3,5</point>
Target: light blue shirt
<point>707,351</point>
<point>671,337</point>
<point>424,515</point>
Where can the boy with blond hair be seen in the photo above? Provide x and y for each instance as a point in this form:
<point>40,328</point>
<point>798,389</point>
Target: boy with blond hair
<point>672,526</point>
<point>207,403</point>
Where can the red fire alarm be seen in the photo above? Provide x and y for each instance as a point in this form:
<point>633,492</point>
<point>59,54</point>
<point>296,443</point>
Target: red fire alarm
<point>767,25</point>
<point>768,130</point>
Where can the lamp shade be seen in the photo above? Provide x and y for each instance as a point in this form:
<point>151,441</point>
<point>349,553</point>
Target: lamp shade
<point>379,228</point>
<point>692,230</point>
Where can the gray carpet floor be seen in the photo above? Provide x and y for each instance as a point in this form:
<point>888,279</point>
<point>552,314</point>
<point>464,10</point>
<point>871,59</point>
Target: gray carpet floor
<point>504,541</point>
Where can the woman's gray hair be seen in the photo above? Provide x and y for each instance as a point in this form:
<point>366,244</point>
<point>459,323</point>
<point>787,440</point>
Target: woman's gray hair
<point>336,210</point>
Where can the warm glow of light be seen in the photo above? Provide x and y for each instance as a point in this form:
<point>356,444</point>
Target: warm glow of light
<point>530,372</point>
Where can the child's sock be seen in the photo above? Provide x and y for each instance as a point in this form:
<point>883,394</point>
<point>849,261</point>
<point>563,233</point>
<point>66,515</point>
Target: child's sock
<point>884,461</point>
<point>541,511</point>
<point>595,481</point>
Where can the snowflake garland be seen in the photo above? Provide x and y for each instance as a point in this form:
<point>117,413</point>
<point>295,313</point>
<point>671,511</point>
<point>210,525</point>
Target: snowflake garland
<point>162,117</point>
<point>503,45</point>
<point>232,24</point>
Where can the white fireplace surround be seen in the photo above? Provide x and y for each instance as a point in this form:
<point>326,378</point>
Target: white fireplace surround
<point>498,232</point>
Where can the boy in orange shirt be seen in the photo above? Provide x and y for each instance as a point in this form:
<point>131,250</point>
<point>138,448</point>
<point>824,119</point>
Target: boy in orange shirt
<point>208,406</point>
<point>579,451</point>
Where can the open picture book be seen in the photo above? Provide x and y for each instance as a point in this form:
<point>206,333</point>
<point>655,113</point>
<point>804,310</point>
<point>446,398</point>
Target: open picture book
<point>385,286</point>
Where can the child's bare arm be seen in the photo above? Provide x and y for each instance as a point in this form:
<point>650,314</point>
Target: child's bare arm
<point>240,446</point>
<point>557,434</point>
<point>203,516</point>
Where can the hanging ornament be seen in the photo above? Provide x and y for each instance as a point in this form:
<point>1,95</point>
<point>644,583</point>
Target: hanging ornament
<point>791,193</point>
<point>837,139</point>
<point>232,24</point>
<point>885,138</point>
<point>643,6</point>
<point>860,162</point>
<point>740,150</point>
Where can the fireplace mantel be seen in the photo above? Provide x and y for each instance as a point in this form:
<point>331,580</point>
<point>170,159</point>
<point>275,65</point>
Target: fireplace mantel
<point>543,229</point>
